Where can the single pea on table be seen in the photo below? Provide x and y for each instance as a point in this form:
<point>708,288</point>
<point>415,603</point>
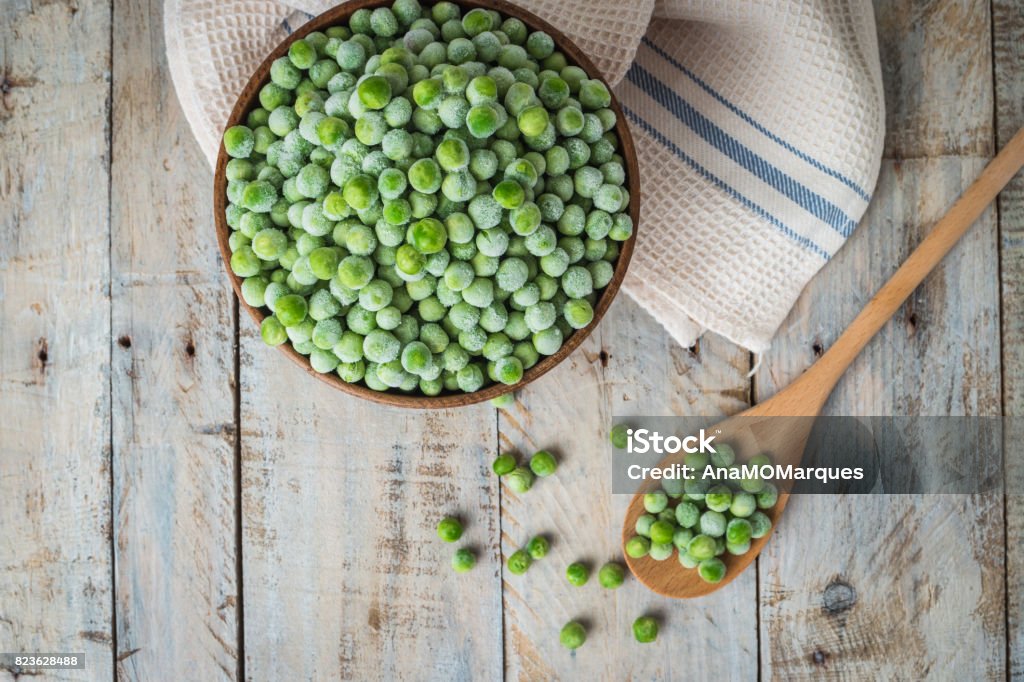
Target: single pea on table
<point>426,200</point>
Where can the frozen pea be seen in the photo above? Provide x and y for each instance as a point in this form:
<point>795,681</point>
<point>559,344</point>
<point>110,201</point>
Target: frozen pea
<point>312,181</point>
<point>452,154</point>
<point>453,111</point>
<point>485,211</point>
<point>497,346</point>
<point>540,316</point>
<point>587,181</point>
<point>459,186</point>
<point>553,92</point>
<point>461,50</point>
<point>269,244</point>
<point>525,220</point>
<point>543,241</point>
<point>259,196</point>
<point>425,176</point>
<point>512,274</point>
<point>532,121</point>
<point>483,120</point>
<point>578,313</point>
<point>768,496</point>
<point>480,293</point>
<point>470,378</point>
<point>547,341</point>
<point>622,227</point>
<point>492,243</point>
<point>360,191</point>
<point>608,197</point>
<point>272,331</point>
<point>509,194</point>
<point>371,128</point>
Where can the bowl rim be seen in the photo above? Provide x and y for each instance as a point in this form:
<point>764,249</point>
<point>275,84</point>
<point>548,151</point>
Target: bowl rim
<point>248,97</point>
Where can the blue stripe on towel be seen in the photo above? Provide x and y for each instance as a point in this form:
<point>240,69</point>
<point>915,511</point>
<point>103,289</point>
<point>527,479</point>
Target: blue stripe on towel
<point>815,204</point>
<point>785,229</point>
<point>757,126</point>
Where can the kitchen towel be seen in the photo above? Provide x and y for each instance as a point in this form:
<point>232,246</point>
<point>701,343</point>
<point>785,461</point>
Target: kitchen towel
<point>758,124</point>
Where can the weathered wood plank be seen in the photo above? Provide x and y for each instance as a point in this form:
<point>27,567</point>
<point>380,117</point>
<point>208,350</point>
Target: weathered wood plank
<point>172,380</point>
<point>1008,54</point>
<point>919,607</point>
<point>936,65</point>
<point>55,563</point>
<point>630,366</point>
<point>344,575</point>
<point>881,594</point>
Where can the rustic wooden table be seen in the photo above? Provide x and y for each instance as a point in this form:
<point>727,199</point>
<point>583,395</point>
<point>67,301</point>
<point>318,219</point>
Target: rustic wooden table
<point>180,503</point>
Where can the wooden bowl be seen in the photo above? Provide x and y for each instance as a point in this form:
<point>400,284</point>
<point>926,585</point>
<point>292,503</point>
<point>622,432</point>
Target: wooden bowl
<point>249,99</point>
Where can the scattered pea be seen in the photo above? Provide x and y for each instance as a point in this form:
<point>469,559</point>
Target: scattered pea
<point>504,401</point>
<point>645,629</point>
<point>538,547</point>
<point>577,574</point>
<point>463,560</point>
<point>619,436</point>
<point>573,635</point>
<point>519,562</point>
<point>449,529</point>
<point>611,575</point>
<point>543,463</point>
<point>520,479</point>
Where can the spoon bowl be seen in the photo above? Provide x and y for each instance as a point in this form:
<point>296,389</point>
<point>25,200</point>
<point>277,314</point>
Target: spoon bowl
<point>753,431</point>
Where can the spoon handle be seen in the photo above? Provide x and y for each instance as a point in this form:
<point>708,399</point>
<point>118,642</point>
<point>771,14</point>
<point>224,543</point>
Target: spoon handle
<point>922,261</point>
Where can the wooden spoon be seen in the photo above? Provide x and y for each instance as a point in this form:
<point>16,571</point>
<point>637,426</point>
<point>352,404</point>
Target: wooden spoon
<point>807,395</point>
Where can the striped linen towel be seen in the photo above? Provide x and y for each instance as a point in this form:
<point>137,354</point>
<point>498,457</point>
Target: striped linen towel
<point>759,126</point>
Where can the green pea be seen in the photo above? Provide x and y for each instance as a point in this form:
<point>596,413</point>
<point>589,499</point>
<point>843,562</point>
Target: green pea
<point>427,236</point>
<point>374,92</point>
<point>238,142</point>
<point>638,546</point>
<point>532,121</point>
<point>503,401</point>
<point>768,496</point>
<point>645,629</point>
<point>449,529</point>
<point>463,560</point>
<point>611,575</point>
<point>760,525</point>
<point>573,635</point>
<point>272,331</point>
<point>577,574</point>
<point>701,547</point>
<point>619,436</point>
<point>538,547</point>
<point>504,463</point>
<point>520,479</point>
<point>519,562</point>
<point>712,570</point>
<point>543,463</point>
<point>655,502</point>
<point>483,120</point>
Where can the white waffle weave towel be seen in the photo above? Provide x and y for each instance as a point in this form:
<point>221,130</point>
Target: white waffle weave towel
<point>759,126</point>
